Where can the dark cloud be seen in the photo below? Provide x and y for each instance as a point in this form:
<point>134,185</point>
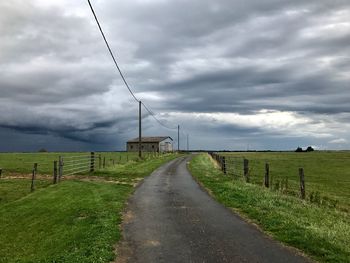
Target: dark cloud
<point>265,61</point>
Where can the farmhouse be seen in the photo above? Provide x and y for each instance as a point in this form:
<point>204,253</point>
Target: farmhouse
<point>151,144</point>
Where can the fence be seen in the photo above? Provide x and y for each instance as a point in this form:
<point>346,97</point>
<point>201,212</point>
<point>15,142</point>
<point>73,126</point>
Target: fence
<point>261,173</point>
<point>64,165</point>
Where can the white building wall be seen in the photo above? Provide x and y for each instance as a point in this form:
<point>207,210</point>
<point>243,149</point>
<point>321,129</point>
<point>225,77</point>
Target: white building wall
<point>166,146</point>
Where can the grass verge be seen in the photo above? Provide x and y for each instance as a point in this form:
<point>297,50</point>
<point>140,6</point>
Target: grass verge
<point>323,233</point>
<point>73,221</point>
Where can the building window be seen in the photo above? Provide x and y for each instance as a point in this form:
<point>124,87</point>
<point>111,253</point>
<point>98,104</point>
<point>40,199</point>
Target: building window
<point>131,146</point>
<point>152,146</point>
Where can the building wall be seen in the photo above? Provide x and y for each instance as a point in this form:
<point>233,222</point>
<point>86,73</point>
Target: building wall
<point>145,147</point>
<point>166,146</point>
<point>163,146</point>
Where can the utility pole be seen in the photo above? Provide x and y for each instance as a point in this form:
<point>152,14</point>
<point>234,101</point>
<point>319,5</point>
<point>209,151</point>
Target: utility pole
<point>140,152</point>
<point>178,138</point>
<point>188,147</point>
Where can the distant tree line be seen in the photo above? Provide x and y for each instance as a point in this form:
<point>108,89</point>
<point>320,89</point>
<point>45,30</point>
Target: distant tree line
<point>42,150</point>
<point>308,149</point>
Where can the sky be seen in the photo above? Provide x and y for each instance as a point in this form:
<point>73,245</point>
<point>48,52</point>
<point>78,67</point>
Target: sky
<point>235,75</point>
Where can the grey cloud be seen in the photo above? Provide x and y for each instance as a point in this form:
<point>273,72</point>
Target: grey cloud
<point>57,79</point>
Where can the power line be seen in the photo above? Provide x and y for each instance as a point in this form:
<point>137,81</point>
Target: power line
<point>154,116</point>
<point>121,74</point>
<point>110,51</point>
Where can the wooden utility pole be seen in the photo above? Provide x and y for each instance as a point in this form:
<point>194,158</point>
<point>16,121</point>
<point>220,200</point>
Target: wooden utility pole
<point>178,138</point>
<point>140,152</point>
<point>188,145</point>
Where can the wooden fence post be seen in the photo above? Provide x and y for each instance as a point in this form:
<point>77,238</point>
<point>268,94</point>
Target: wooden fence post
<point>60,168</point>
<point>92,161</point>
<point>267,175</point>
<point>99,161</point>
<point>35,168</point>
<point>224,164</point>
<point>302,182</point>
<point>246,169</point>
<point>104,161</point>
<point>233,167</point>
<point>55,172</point>
<point>0,172</point>
<point>286,185</point>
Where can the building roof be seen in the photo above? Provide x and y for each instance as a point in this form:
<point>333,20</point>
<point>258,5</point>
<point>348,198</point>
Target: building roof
<point>150,139</point>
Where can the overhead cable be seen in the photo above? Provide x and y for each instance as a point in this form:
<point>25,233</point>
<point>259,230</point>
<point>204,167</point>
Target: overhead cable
<point>154,116</point>
<point>121,74</point>
<point>110,51</point>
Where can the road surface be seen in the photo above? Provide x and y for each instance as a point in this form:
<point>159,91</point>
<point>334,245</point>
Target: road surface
<point>171,219</point>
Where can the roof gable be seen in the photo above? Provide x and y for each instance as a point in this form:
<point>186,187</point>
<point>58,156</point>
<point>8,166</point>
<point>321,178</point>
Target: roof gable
<point>150,139</point>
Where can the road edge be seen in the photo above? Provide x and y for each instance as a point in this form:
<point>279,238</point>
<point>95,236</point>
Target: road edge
<point>248,220</point>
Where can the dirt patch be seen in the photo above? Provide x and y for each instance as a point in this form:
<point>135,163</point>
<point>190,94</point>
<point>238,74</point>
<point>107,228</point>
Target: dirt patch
<point>133,182</point>
<point>26,176</point>
<point>214,162</point>
<point>123,250</point>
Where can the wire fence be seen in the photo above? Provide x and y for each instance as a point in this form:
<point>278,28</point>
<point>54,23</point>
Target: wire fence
<point>56,167</point>
<point>279,175</point>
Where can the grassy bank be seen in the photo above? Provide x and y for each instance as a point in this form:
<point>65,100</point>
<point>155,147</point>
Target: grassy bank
<point>73,221</point>
<point>323,233</point>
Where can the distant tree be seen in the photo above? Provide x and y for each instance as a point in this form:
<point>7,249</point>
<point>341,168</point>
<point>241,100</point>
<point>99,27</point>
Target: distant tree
<point>42,150</point>
<point>299,149</point>
<point>310,149</point>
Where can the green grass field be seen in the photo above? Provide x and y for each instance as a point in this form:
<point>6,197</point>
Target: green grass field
<point>321,232</point>
<point>76,220</point>
<point>327,174</point>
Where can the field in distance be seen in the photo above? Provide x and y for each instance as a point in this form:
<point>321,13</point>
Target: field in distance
<point>327,173</point>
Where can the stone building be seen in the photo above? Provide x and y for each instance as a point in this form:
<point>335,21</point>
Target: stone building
<point>151,144</point>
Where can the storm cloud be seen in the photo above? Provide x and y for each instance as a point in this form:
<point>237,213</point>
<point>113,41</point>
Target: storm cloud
<point>268,74</point>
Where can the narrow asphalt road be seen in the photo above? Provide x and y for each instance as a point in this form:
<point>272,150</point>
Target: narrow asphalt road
<point>171,219</point>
